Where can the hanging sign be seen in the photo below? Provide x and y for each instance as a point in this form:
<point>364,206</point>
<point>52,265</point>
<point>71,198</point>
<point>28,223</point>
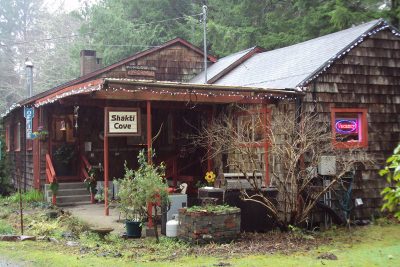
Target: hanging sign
<point>346,126</point>
<point>122,121</point>
<point>29,113</point>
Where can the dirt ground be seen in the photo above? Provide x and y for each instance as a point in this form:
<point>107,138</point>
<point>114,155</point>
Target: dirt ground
<point>94,215</point>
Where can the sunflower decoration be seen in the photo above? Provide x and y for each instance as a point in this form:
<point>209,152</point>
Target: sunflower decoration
<point>210,177</point>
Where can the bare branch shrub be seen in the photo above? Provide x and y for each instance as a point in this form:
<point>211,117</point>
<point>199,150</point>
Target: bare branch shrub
<point>295,143</point>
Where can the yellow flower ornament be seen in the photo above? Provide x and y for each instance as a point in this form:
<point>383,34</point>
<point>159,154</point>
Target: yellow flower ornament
<point>210,177</point>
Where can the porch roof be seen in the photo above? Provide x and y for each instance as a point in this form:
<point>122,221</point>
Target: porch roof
<point>144,88</point>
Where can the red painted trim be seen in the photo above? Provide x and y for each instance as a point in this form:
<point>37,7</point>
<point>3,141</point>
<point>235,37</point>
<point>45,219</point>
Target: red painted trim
<point>149,133</point>
<point>92,75</point>
<point>50,172</point>
<point>149,146</point>
<point>17,139</point>
<point>209,160</point>
<point>266,121</point>
<point>8,138</point>
<point>364,128</point>
<point>106,167</point>
<point>50,94</point>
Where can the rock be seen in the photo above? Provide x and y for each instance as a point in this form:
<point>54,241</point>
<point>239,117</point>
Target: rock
<point>52,239</point>
<point>9,238</point>
<point>68,235</point>
<point>27,238</point>
<point>222,264</point>
<point>72,244</point>
<point>103,254</point>
<point>117,255</point>
<point>84,250</point>
<point>327,256</point>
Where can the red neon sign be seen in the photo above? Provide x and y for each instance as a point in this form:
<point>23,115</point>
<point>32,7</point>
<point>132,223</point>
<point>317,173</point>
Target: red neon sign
<point>346,126</point>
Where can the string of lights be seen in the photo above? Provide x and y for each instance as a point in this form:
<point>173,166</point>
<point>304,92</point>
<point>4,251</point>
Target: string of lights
<point>383,25</point>
<point>176,92</point>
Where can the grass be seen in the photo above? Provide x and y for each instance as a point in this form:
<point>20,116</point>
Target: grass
<point>5,228</point>
<point>27,197</point>
<point>373,245</point>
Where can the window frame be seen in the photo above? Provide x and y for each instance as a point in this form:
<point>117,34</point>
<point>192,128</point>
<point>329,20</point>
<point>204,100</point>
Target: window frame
<point>17,137</point>
<point>363,128</point>
<point>266,117</point>
<point>8,138</point>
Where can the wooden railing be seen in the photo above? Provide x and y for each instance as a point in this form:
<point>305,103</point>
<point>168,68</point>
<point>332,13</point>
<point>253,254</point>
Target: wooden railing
<point>51,175</point>
<point>84,167</point>
<point>175,172</point>
<point>50,172</point>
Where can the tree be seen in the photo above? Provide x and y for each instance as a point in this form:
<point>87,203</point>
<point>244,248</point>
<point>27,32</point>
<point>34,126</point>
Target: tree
<point>391,194</point>
<point>28,31</point>
<point>296,144</point>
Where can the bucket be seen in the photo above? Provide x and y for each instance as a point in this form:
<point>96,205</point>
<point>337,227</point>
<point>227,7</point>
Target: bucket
<point>133,229</point>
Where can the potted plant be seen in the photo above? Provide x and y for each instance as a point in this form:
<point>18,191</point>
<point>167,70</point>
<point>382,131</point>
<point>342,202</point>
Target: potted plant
<point>91,184</point>
<point>40,134</point>
<point>99,196</point>
<point>139,188</point>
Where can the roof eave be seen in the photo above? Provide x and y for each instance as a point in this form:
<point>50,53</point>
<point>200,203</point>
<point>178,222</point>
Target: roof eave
<point>347,49</point>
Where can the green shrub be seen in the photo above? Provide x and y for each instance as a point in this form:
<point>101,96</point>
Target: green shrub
<point>5,180</point>
<point>28,197</point>
<point>5,228</point>
<point>212,208</point>
<point>391,194</point>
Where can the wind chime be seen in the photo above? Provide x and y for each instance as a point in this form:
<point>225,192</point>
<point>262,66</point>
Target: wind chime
<point>75,119</point>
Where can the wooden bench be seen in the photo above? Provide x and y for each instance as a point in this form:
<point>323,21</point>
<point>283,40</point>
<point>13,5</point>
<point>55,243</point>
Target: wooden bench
<point>238,180</point>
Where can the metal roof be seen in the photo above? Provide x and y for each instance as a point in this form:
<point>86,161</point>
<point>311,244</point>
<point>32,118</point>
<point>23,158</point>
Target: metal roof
<point>220,65</point>
<point>291,66</point>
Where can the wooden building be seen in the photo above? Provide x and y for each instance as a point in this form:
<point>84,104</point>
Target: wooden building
<point>106,116</point>
<point>352,75</point>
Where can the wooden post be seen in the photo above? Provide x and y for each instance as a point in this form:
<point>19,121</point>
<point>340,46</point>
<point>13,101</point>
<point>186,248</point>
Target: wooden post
<point>209,160</point>
<point>149,137</point>
<point>36,151</point>
<point>106,167</point>
<point>266,122</point>
<point>149,147</point>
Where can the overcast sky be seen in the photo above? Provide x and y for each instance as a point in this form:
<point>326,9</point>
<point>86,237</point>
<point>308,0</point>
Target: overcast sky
<point>66,5</point>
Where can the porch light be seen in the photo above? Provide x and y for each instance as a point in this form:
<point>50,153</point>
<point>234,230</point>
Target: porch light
<point>63,126</point>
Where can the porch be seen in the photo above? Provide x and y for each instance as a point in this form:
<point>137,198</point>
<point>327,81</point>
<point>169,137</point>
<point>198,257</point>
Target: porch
<point>167,114</point>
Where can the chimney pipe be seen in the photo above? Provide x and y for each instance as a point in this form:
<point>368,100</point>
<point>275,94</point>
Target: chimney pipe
<point>29,77</point>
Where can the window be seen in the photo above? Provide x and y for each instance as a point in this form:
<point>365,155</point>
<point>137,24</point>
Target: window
<point>251,127</point>
<point>349,127</point>
<point>8,138</point>
<point>251,130</point>
<point>17,137</point>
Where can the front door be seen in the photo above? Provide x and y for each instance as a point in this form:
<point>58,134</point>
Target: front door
<point>63,146</point>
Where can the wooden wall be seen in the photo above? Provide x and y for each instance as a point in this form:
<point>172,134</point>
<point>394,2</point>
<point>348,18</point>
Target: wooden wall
<point>175,63</point>
<point>21,161</point>
<point>367,77</point>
